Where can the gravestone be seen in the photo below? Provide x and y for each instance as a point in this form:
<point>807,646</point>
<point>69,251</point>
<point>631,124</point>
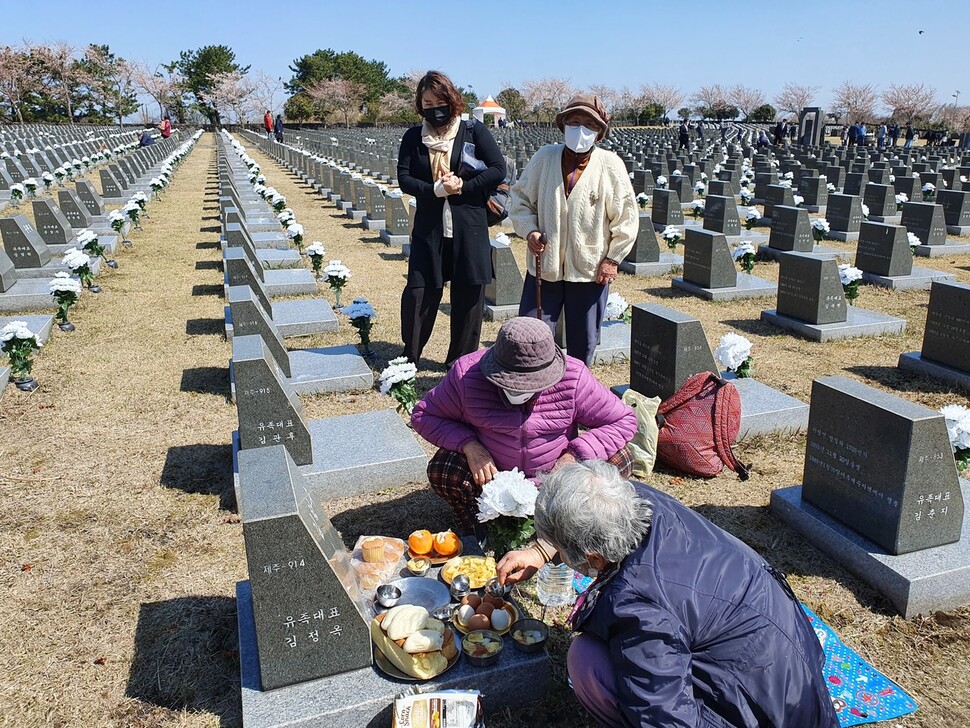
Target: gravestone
<point>269,410</point>
<point>719,188</point>
<point>666,209</point>
<point>721,215</point>
<point>844,215</point>
<point>680,185</point>
<point>23,244</point>
<point>810,290</point>
<point>74,210</point>
<point>645,249</point>
<point>375,208</point>
<point>53,226</point>
<point>882,465</point>
<point>777,195</point>
<point>881,201</point>
<point>399,222</point>
<point>8,272</point>
<point>250,318</point>
<point>791,230</point>
<point>502,294</point>
<point>707,260</point>
<point>946,339</point>
<point>925,220</point>
<point>956,210</point>
<point>90,197</point>
<point>307,605</point>
<point>667,347</point>
<point>110,186</point>
<point>883,250</point>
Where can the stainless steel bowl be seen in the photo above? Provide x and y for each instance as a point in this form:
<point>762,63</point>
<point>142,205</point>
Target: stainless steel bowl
<point>421,566</point>
<point>494,589</point>
<point>460,586</point>
<point>489,659</point>
<point>388,595</point>
<point>529,625</point>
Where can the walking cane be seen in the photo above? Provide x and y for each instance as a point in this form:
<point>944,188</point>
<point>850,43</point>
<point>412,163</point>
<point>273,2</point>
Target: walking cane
<point>539,280</point>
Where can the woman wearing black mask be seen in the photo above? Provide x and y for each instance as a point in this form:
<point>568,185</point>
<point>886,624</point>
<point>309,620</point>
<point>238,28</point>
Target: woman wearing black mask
<point>449,241</point>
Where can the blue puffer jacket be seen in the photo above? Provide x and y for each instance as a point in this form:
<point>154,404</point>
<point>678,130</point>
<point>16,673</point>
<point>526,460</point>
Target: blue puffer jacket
<point>701,634</point>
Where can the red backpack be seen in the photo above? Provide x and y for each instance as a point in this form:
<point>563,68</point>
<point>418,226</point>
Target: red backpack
<point>698,425</point>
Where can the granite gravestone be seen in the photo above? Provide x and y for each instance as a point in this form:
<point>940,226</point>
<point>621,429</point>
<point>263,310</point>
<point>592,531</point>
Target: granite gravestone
<point>90,197</point>
<point>646,249</point>
<point>269,410</point>
<point>721,215</point>
<point>680,185</point>
<point>791,230</point>
<point>946,339</point>
<point>956,207</point>
<point>110,186</point>
<point>53,226</point>
<point>881,465</point>
<point>778,195</point>
<point>925,220</point>
<point>249,318</point>
<point>375,202</point>
<point>74,210</point>
<point>667,347</point>
<point>665,208</point>
<point>505,288</point>
<point>707,260</point>
<point>307,606</point>
<point>880,199</point>
<point>399,222</point>
<point>844,213</point>
<point>23,244</point>
<point>8,272</point>
<point>883,250</point>
<point>810,290</point>
<point>719,188</point>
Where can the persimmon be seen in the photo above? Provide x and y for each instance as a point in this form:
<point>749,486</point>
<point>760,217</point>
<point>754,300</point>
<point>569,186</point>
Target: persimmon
<point>421,542</point>
<point>446,543</point>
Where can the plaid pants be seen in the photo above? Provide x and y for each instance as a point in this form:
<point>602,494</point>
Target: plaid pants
<point>451,479</point>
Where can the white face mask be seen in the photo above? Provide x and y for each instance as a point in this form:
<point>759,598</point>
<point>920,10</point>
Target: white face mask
<point>580,138</point>
<point>518,397</point>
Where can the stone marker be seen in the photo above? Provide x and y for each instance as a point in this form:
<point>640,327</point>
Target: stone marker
<point>883,249</point>
<point>881,201</point>
<point>946,339</point>
<point>53,226</point>
<point>646,258</point>
<point>667,348</point>
<point>707,260</point>
<point>666,209</point>
<point>721,215</point>
<point>956,210</point>
<point>791,230</point>
<point>844,215</point>
<point>90,197</point>
<point>22,243</point>
<point>809,289</point>
<point>503,293</point>
<point>307,606</point>
<point>925,220</point>
<point>882,465</point>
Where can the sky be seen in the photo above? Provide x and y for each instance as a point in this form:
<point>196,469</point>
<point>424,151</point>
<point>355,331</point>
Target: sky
<point>488,45</point>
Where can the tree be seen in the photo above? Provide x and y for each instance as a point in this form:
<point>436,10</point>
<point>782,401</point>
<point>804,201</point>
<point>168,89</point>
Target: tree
<point>339,94</point>
<point>20,77</point>
<point>329,65</point>
<point>65,74</point>
<point>665,96</point>
<point>299,108</point>
<point>684,113</point>
<point>200,68</point>
<point>511,99</point>
<point>229,92</point>
<point>393,106</point>
<point>746,99</point>
<point>547,96</point>
<point>765,112</point>
<point>652,112</point>
<point>111,82</point>
<point>154,82</point>
<point>265,90</point>
<point>910,102</point>
<point>855,101</point>
<point>794,97</point>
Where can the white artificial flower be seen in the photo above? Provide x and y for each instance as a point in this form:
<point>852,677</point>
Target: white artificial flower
<point>115,216</point>
<point>820,224</point>
<point>360,308</point>
<point>47,177</point>
<point>75,259</point>
<point>929,187</point>
<point>732,351</point>
<point>86,236</point>
<point>743,249</point>
<point>293,230</point>
<point>502,239</point>
<point>642,197</point>
<point>509,493</point>
<point>849,274</point>
<point>18,188</point>
<point>700,187</point>
<point>316,248</point>
<point>670,233</point>
<point>901,197</point>
<point>18,330</point>
<point>752,214</point>
<point>139,196</point>
<point>336,269</point>
<point>865,210</point>
<point>697,205</point>
<point>661,181</point>
<point>676,173</point>
<point>913,239</point>
<point>398,370</point>
<point>789,175</point>
<point>798,199</point>
<point>616,306</point>
<point>957,426</point>
<point>62,282</point>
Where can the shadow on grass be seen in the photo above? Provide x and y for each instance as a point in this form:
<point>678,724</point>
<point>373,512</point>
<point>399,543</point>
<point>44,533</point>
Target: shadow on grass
<point>209,217</point>
<point>902,380</point>
<point>210,229</point>
<point>207,289</point>
<point>207,246</point>
<point>202,469</point>
<point>418,509</point>
<point>208,265</point>
<point>205,327</point>
<point>392,256</point>
<point>187,657</point>
<point>206,380</point>
<point>755,326</point>
<point>666,292</point>
<point>373,239</point>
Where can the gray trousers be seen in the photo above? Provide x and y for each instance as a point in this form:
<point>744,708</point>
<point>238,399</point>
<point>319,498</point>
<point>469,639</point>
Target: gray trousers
<point>583,304</point>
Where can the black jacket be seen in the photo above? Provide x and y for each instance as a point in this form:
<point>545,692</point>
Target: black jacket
<point>472,251</point>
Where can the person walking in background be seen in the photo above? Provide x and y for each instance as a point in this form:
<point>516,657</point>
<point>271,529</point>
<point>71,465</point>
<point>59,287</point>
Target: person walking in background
<point>881,136</point>
<point>268,124</point>
<point>779,133</point>
<point>861,136</point>
<point>574,205</point>
<point>845,135</point>
<point>684,135</point>
<point>278,128</point>
<point>166,127</point>
<point>449,241</point>
<point>894,133</point>
<point>910,135</point>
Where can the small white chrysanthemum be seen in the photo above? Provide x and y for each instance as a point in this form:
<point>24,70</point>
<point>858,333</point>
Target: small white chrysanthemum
<point>849,274</point>
<point>732,351</point>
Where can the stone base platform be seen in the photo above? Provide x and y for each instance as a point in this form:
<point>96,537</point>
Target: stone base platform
<point>958,230</point>
<point>344,206</point>
<point>766,251</point>
<point>500,313</point>
<point>939,251</point>
<point>302,317</point>
<point>886,219</point>
<point>318,371</point>
<point>913,361</point>
<point>369,223</point>
<point>355,215</point>
<point>39,324</point>
<point>614,343</point>
<point>859,322</point>
<point>843,236</point>
<point>291,282</point>
<point>28,294</point>
<point>920,278</point>
<point>667,263</point>
<point>53,267</point>
<point>393,240</point>
<point>920,582</point>
<point>749,286</point>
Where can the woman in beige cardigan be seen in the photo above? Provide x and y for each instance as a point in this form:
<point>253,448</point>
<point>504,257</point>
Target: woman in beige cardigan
<point>574,205</point>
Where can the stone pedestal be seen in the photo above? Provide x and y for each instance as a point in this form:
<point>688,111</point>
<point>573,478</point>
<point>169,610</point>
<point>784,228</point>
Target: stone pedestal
<point>614,343</point>
<point>939,251</point>
<point>748,286</point>
<point>920,278</point>
<point>858,322</point>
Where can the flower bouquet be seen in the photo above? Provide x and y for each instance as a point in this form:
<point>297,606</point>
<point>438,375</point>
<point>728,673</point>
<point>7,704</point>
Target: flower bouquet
<point>672,236</point>
<point>77,165</point>
<point>797,199</point>
<point>901,197</point>
<point>286,218</point>
<point>48,180</point>
<point>661,182</point>
<point>747,196</point>
<point>337,276</point>
<point>133,211</point>
<point>30,184</point>
<point>734,354</point>
<point>830,188</point>
<point>88,240</point>
<point>119,223</point>
<point>642,200</point>
<point>913,241</point>
<point>617,308</point>
<point>751,217</point>
<point>295,233</point>
<point>850,277</point>
<point>65,291</point>
<point>316,252</point>
<point>958,430</point>
<point>820,229</point>
<point>397,380</point>
<point>278,202</point>
<point>745,253</point>
<point>59,175</point>
<point>697,208</point>
<point>18,342</point>
<point>929,191</point>
<point>361,315</point>
<point>17,192</point>
<point>700,188</point>
<point>80,264</point>
<point>865,211</point>
<point>506,507</point>
<point>156,185</point>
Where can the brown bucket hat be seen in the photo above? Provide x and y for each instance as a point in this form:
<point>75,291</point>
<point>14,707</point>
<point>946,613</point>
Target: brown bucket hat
<point>588,104</point>
<point>524,357</point>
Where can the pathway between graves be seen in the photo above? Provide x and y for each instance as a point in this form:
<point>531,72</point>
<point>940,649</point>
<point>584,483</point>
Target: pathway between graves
<point>118,531</point>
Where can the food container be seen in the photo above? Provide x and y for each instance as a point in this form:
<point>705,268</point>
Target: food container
<point>372,550</point>
<point>481,637</point>
<point>388,595</point>
<point>460,587</point>
<point>419,565</point>
<point>523,626</point>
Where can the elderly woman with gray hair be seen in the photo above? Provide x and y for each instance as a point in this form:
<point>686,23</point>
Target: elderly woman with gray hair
<point>684,625</point>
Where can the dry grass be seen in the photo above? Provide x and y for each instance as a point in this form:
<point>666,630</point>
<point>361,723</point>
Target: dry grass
<point>118,534</point>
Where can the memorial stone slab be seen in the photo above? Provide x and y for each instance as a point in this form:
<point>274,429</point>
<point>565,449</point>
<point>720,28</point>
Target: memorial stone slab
<point>73,209</point>
<point>23,244</point>
<point>681,186</point>
<point>946,339</point>
<point>926,221</point>
<point>910,186</point>
<point>791,230</point>
<point>667,347</point>
<point>844,215</point>
<point>880,199</point>
<point>646,249</point>
<point>719,188</point>
<point>777,195</point>
<point>956,209</point>
<point>666,209</point>
<point>399,222</point>
<point>8,272</point>
<point>707,260</point>
<point>881,465</point>
<point>53,226</point>
<point>308,609</point>
<point>110,186</point>
<point>721,215</point>
<point>249,318</point>
<point>505,288</point>
<point>883,250</point>
<point>810,290</point>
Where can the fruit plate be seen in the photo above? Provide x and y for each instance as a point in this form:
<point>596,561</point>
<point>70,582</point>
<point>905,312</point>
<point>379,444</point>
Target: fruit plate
<point>435,558</point>
<point>482,573</point>
<point>388,668</point>
<point>421,592</point>
<point>509,607</point>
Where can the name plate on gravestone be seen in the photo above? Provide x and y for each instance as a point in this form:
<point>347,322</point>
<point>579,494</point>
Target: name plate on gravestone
<point>74,210</point>
<point>707,260</point>
<point>646,249</point>
<point>110,185</point>
<point>375,203</point>
<point>881,465</point>
<point>925,220</point>
<point>667,347</point>
<point>791,230</point>
<point>506,286</point>
<point>844,213</point>
<point>666,209</point>
<point>23,244</point>
<point>883,250</point>
<point>400,222</point>
<point>53,227</point>
<point>306,602</point>
<point>89,196</point>
<point>810,290</point>
<point>719,188</point>
<point>956,206</point>
<point>777,195</point>
<point>269,411</point>
<point>946,338</point>
<point>249,318</point>
<point>721,215</point>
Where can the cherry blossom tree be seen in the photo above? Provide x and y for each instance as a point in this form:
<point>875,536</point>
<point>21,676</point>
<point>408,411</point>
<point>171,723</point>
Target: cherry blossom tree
<point>855,101</point>
<point>746,99</point>
<point>910,101</point>
<point>339,94</point>
<point>665,96</point>
<point>795,97</point>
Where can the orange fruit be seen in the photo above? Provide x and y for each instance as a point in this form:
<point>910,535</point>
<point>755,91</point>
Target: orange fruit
<point>421,542</point>
<point>446,543</point>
